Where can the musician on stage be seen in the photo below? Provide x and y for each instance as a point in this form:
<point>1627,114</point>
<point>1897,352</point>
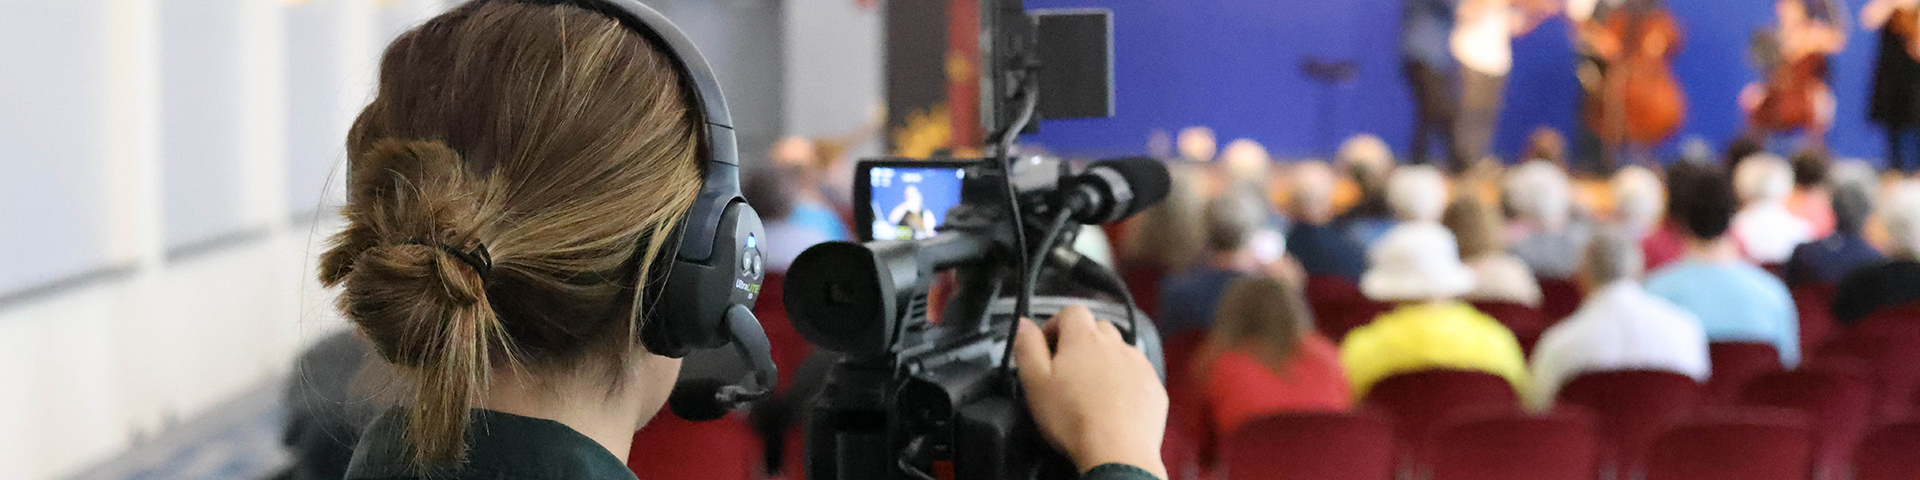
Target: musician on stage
<point>1426,30</point>
<point>1794,94</point>
<point>1482,42</point>
<point>1896,78</point>
<point>1632,98</point>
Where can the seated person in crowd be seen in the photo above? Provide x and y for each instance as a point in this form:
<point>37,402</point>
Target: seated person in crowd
<point>1548,239</point>
<point>799,163</point>
<point>1811,193</point>
<point>1187,299</point>
<point>1418,268</point>
<point>1619,327</point>
<point>1734,300</point>
<point>1417,194</point>
<point>1367,160</point>
<point>1263,357</point>
<point>1764,228</point>
<point>1667,243</point>
<point>1321,248</point>
<point>1498,277</point>
<point>774,197</point>
<point>1895,281</point>
<point>1828,260</point>
<point>1639,212</point>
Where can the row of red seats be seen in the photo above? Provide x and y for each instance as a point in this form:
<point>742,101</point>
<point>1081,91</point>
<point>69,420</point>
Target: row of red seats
<point>1742,444</point>
<point>1455,424</point>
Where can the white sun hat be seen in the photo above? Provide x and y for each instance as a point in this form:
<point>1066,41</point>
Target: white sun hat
<point>1416,261</point>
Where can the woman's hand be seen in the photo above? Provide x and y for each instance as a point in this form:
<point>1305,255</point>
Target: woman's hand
<point>1093,395</point>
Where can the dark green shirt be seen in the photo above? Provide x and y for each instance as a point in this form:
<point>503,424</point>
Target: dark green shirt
<point>503,446</point>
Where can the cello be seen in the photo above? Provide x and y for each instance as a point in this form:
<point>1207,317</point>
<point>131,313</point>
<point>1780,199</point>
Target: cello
<point>1637,99</point>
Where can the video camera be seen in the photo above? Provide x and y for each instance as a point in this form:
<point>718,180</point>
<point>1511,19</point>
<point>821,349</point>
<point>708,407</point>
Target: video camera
<point>912,398</point>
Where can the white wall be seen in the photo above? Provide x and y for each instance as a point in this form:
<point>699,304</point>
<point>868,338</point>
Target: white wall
<point>835,67</point>
<point>154,155</point>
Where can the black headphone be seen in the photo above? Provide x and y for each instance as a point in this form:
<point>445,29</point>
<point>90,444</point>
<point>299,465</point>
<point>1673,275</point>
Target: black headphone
<point>701,290</point>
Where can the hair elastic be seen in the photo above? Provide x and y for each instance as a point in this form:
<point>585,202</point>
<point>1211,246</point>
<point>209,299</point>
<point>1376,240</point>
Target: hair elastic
<point>478,259</point>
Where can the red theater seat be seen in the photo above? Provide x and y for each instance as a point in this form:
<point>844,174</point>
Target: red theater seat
<point>1311,446</point>
<point>1187,434</point>
<point>1419,401</point>
<point>1815,304</point>
<point>1631,408</point>
<point>1742,444</point>
<point>1339,307</point>
<point>1890,452</point>
<point>789,348</point>
<point>1891,352</point>
<point>1558,446</point>
<point>1559,298</point>
<point>1144,283</point>
<point>1734,363</point>
<point>1526,322</point>
<point>1837,401</point>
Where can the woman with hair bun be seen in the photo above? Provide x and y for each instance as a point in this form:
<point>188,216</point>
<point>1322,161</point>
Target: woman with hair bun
<point>510,188</point>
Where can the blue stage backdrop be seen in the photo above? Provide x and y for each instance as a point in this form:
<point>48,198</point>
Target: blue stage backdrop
<point>1234,65</point>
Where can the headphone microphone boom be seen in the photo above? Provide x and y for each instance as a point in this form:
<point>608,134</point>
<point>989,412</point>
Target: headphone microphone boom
<point>700,291</point>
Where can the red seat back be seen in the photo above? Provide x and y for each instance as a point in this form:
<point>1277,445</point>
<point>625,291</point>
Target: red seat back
<point>1558,446</point>
<point>1144,283</point>
<point>1814,301</point>
<point>1744,444</point>
<point>1559,298</point>
<point>1890,452</point>
<point>1418,401</point>
<point>1892,356</point>
<point>1631,408</point>
<point>1186,443</point>
<point>1837,401</point>
<point>673,449</point>
<point>1527,323</point>
<point>1734,363</point>
<point>1333,446</point>
<point>1338,306</point>
<point>788,347</point>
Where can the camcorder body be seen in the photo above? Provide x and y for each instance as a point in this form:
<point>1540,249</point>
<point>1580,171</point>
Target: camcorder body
<point>919,396</point>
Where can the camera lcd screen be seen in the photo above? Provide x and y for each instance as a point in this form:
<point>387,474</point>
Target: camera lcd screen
<point>907,200</point>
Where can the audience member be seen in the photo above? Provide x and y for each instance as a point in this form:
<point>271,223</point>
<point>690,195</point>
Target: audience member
<point>1620,327</point>
<point>1188,299</point>
<point>1499,277</point>
<point>1417,193</point>
<point>1812,198</point>
<point>1740,149</point>
<point>1168,237</point>
<point>1417,266</point>
<point>1892,282</point>
<point>1734,300</point>
<point>1764,228</point>
<point>1321,248</point>
<point>1263,357</point>
<point>1639,211</point>
<point>1548,240</point>
<point>1828,260</point>
<point>1367,160</point>
<point>774,198</point>
<point>810,211</point>
<point>1547,145</point>
<point>1245,164</point>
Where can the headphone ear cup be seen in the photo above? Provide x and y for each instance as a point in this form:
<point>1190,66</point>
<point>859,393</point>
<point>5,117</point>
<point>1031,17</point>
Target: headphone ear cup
<point>694,296</point>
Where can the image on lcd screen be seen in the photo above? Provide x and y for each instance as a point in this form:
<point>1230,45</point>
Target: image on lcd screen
<point>908,203</point>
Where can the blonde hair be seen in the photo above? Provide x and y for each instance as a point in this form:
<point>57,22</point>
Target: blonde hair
<point>566,159</point>
<point>1169,235</point>
<point>1268,316</point>
<point>1475,225</point>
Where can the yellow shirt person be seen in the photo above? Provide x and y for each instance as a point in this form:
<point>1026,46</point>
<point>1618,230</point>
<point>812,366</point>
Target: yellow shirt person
<point>1426,336</point>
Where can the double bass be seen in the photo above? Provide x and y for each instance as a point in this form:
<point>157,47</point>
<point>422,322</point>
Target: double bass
<point>1636,98</point>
